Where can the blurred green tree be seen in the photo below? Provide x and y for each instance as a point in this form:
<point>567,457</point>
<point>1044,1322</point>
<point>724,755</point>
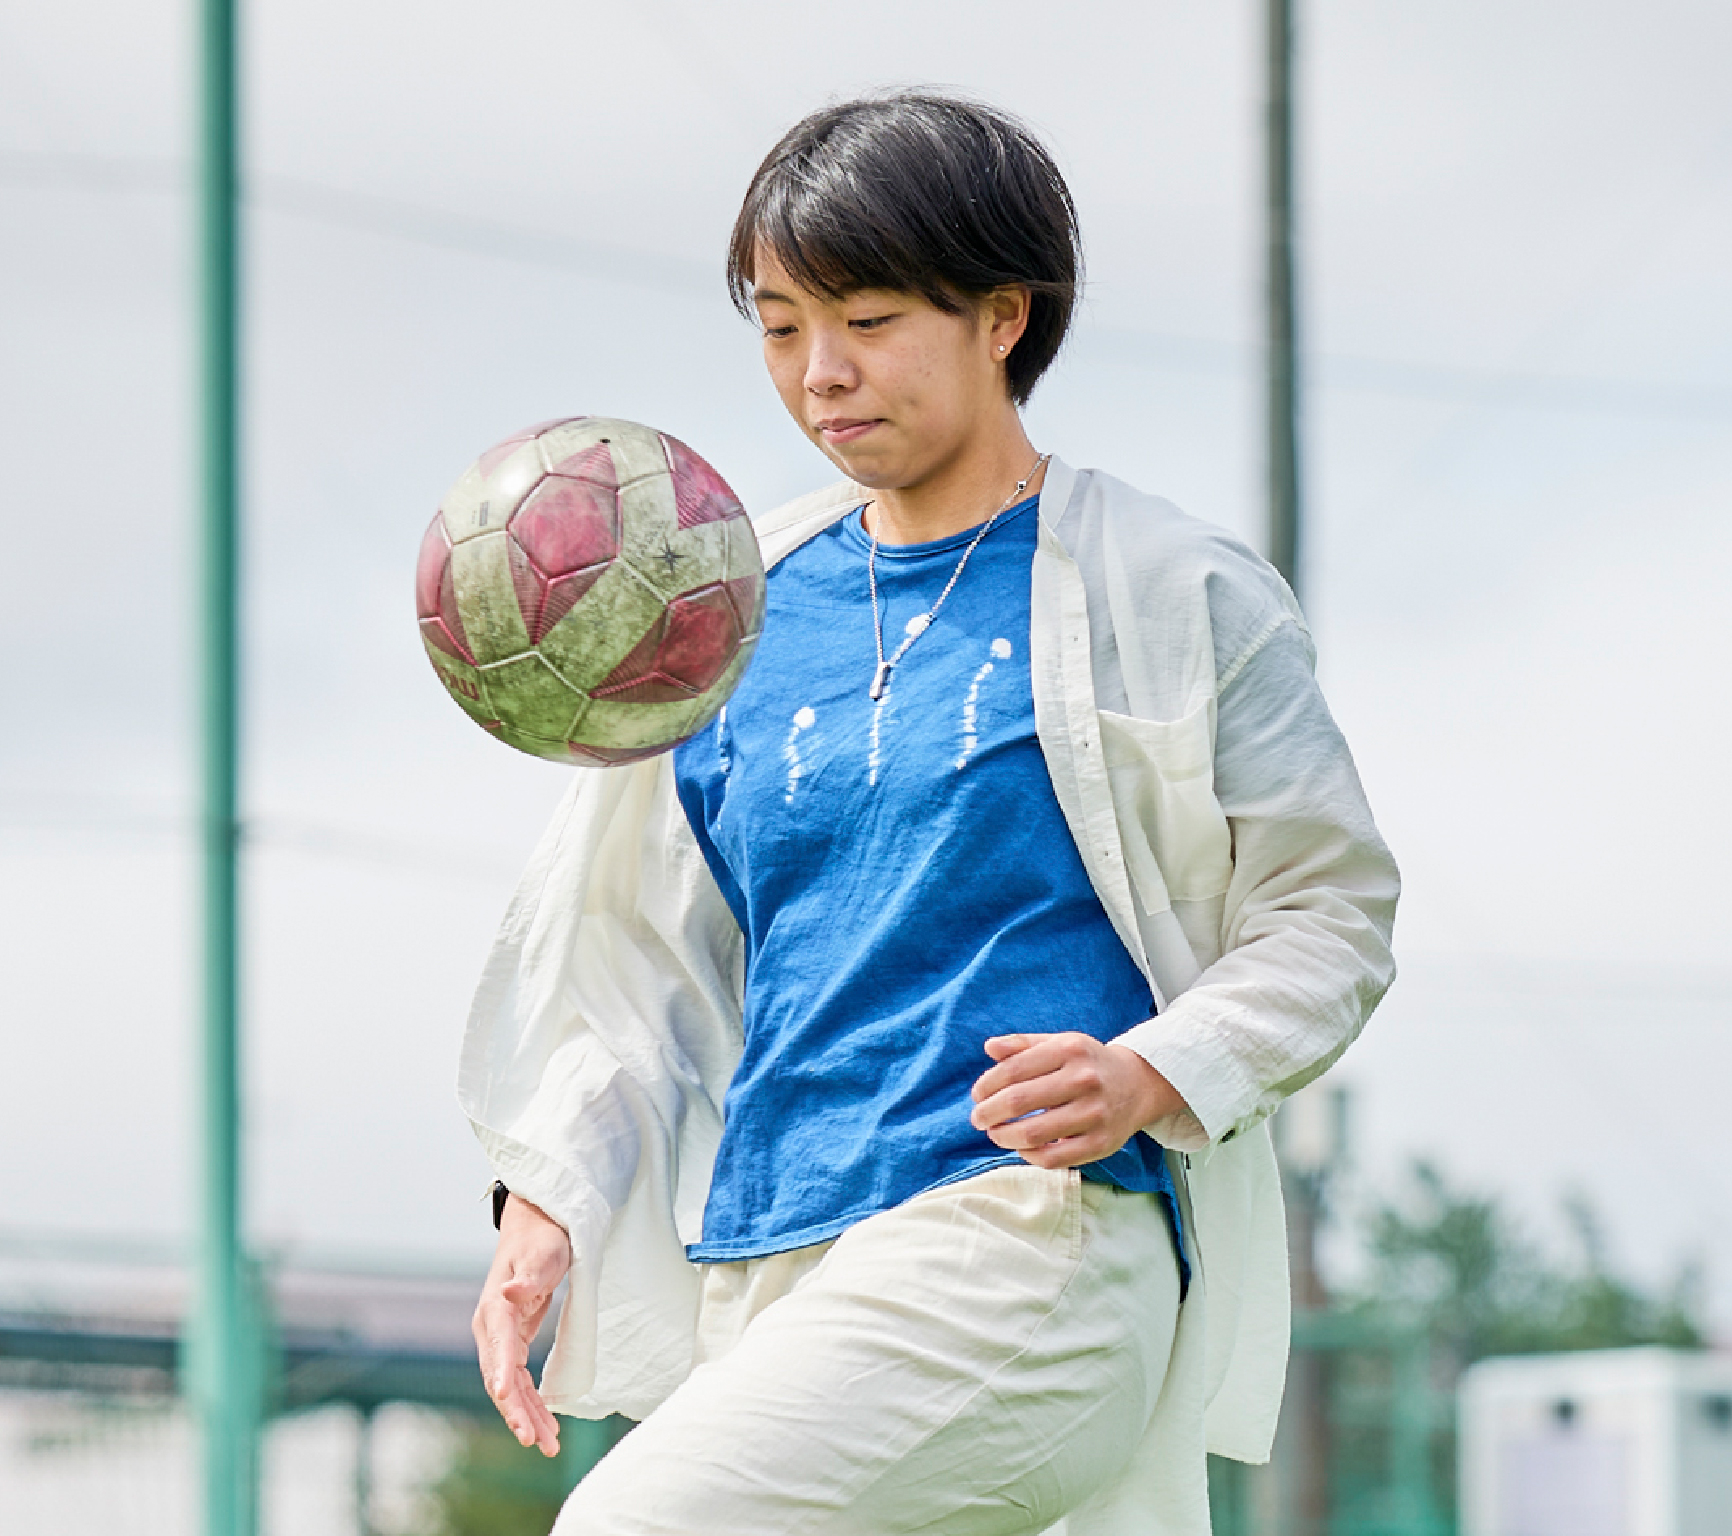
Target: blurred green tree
<point>1454,1268</point>
<point>1457,1262</point>
<point>495,1487</point>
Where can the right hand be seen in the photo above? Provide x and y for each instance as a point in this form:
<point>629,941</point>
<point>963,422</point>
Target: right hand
<point>533,1255</point>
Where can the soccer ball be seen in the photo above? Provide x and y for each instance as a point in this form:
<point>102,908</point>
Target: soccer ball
<point>590,591</point>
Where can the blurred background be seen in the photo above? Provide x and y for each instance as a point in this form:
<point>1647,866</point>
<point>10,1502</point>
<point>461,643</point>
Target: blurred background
<point>1514,237</point>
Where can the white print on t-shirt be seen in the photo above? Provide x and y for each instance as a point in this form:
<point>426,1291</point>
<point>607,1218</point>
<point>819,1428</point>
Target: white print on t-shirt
<point>971,704</point>
<point>804,718</point>
<point>874,738</point>
<point>724,753</point>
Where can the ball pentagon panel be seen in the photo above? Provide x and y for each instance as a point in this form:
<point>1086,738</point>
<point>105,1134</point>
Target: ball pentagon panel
<point>436,596</point>
<point>563,536</point>
<point>529,698</point>
<point>684,652</point>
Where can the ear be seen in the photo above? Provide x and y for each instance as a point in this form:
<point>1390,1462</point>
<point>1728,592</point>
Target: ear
<point>1006,313</point>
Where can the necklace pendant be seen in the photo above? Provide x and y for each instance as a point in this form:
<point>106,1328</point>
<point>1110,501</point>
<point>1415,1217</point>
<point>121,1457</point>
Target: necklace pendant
<point>880,679</point>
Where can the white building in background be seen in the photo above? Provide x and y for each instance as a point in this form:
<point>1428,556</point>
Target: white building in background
<point>1620,1442</point>
<point>72,1465</point>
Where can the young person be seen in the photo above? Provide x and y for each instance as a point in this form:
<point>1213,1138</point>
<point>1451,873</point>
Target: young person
<point>888,1066</point>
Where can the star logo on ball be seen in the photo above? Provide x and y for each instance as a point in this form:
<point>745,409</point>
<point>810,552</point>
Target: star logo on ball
<point>669,557</point>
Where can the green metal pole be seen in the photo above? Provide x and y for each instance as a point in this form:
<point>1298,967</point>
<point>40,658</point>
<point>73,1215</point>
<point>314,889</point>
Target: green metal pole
<point>226,1355</point>
<point>1303,1450</point>
<point>1281,339</point>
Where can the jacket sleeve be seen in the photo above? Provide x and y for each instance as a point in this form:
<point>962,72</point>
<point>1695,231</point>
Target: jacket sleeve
<point>606,1022</point>
<point>1307,919</point>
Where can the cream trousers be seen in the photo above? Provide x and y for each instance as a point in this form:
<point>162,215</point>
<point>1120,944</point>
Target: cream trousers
<point>989,1359</point>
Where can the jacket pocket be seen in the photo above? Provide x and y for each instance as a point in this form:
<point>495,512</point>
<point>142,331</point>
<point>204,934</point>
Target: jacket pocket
<point>1178,847</point>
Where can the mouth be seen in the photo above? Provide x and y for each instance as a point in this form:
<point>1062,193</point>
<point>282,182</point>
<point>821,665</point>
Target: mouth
<point>840,430</point>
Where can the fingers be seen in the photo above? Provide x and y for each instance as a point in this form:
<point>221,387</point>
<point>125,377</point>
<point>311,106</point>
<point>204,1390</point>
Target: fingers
<point>1051,1070</point>
<point>538,1425</point>
<point>1021,1059</point>
<point>533,1256</point>
<point>524,1412</point>
<point>1072,1152</point>
<point>503,1349</point>
<point>1061,1100</point>
<point>1066,1137</point>
<point>528,1299</point>
<point>505,1321</point>
<point>1069,1120</point>
<point>508,1316</point>
<point>500,1350</point>
<point>1060,1138</point>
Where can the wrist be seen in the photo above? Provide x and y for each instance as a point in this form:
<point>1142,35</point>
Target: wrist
<point>1153,1098</point>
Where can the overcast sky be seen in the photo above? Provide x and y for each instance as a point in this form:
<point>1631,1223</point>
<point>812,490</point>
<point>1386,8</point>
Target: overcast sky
<point>1517,234</point>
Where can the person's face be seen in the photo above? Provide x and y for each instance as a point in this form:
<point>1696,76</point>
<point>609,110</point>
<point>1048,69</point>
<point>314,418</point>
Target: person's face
<point>888,385</point>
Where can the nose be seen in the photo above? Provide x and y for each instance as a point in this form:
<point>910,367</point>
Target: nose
<point>828,364</point>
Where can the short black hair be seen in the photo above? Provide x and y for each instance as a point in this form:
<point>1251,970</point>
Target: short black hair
<point>924,193</point>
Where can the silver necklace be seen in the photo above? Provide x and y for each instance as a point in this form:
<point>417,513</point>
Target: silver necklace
<point>918,625</point>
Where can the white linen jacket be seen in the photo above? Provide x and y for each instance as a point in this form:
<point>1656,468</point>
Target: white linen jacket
<point>1221,822</point>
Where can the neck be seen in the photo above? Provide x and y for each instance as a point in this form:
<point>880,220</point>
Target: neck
<point>957,495</point>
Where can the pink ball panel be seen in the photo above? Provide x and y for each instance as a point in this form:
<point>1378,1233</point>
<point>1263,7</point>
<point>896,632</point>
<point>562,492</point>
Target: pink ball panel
<point>702,633</point>
<point>700,494</point>
<point>562,595</point>
<point>430,568</point>
<point>450,618</point>
<point>746,594</point>
<point>685,651</point>
<point>594,464</point>
<point>434,632</point>
<point>542,600</point>
<point>568,525</point>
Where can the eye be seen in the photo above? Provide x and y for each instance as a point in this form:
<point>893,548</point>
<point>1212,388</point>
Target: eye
<point>871,322</point>
<point>778,331</point>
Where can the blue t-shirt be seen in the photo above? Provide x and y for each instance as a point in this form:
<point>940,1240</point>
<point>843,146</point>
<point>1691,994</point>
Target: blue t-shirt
<point>905,882</point>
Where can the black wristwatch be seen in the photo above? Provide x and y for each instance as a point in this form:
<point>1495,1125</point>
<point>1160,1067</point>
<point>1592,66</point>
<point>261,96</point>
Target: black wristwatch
<point>500,1195</point>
